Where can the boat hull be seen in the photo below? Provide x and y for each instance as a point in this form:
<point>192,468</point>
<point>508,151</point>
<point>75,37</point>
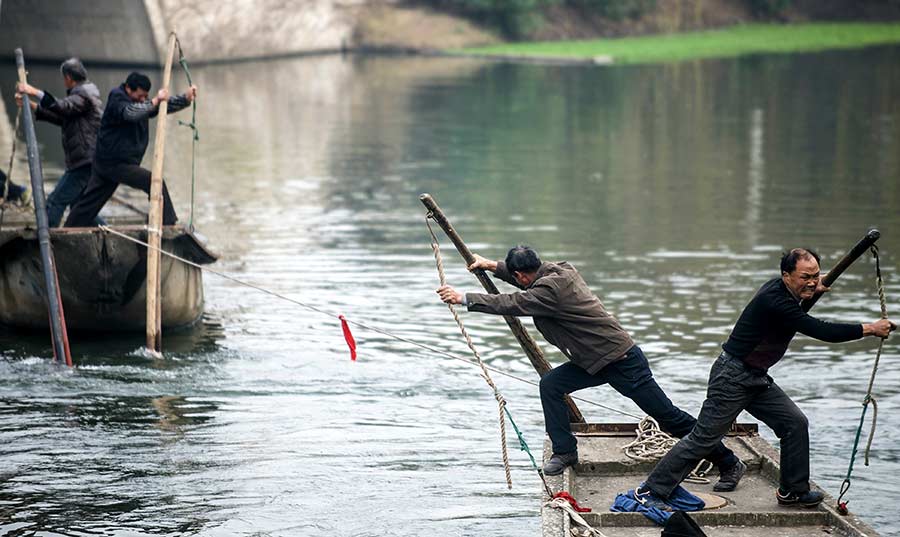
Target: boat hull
<point>102,279</point>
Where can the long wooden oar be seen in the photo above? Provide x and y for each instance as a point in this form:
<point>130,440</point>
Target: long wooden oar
<point>154,225</point>
<point>843,264</point>
<point>534,353</point>
<point>58,332</point>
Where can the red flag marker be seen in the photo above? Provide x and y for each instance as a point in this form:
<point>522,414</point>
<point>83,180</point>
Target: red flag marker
<point>348,337</point>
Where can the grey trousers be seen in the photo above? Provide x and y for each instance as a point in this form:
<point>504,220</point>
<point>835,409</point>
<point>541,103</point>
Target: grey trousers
<point>734,387</point>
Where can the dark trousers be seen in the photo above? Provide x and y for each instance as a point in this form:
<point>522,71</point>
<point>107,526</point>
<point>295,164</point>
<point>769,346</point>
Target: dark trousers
<point>632,378</point>
<point>105,178</point>
<point>15,191</point>
<point>67,190</point>
<point>734,387</point>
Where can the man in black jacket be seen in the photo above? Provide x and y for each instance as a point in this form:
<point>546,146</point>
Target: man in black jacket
<point>123,139</point>
<point>571,317</point>
<point>79,116</point>
<point>739,381</point>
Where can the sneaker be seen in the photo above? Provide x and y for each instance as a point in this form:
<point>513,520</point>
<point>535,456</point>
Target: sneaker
<point>729,479</point>
<point>559,461</point>
<point>648,498</point>
<point>810,498</point>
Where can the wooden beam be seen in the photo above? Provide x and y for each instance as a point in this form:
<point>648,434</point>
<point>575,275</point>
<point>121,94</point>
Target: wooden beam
<point>58,333</point>
<point>154,226</point>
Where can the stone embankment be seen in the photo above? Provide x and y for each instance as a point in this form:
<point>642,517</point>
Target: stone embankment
<point>133,32</point>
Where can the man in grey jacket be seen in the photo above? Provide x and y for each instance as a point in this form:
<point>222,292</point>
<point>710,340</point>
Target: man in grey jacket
<point>78,114</point>
<point>599,350</point>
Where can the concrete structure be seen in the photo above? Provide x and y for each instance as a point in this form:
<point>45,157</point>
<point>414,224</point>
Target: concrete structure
<point>108,31</point>
<point>133,32</point>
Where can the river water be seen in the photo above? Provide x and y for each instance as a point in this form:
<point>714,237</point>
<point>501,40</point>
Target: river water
<point>672,188</point>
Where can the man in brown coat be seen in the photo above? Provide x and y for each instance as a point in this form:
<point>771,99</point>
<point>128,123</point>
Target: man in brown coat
<point>599,350</point>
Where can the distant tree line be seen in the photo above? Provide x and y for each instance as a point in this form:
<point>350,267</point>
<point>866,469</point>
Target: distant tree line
<point>517,18</point>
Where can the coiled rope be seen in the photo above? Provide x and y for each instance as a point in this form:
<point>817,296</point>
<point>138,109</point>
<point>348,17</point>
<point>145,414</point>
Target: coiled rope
<point>869,398</point>
<point>652,443</point>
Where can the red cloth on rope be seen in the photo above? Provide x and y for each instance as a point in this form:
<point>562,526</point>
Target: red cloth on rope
<point>572,501</point>
<point>348,337</point>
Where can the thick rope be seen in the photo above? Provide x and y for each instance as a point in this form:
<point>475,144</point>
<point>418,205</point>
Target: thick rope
<point>193,126</point>
<point>652,443</point>
<point>845,485</point>
<point>579,526</point>
<point>358,324</point>
<point>501,403</point>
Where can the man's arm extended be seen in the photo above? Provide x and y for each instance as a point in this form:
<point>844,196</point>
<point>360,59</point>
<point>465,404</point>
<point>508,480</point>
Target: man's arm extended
<point>539,300</point>
<point>808,325</point>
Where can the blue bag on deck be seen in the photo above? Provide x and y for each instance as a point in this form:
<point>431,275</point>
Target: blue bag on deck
<point>680,500</point>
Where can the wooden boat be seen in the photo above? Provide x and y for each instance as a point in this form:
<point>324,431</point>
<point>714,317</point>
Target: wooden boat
<point>603,471</point>
<point>102,278</point>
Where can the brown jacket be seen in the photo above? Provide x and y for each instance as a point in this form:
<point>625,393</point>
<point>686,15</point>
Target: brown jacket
<point>565,311</point>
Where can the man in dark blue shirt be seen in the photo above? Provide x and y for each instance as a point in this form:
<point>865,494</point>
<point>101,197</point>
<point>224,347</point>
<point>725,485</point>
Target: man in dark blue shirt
<point>121,143</point>
<point>739,381</point>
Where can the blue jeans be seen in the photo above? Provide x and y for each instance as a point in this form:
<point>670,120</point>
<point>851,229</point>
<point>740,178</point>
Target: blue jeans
<point>68,189</point>
<point>632,378</point>
<point>733,387</point>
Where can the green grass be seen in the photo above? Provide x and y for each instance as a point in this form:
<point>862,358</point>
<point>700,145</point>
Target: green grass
<point>729,42</point>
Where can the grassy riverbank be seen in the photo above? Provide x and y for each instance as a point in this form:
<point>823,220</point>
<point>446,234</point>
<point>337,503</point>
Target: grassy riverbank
<point>729,42</point>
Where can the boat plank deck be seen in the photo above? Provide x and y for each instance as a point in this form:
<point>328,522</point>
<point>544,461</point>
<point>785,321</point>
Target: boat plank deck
<point>603,471</point>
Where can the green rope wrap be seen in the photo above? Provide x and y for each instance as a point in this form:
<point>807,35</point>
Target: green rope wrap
<point>845,485</point>
<point>193,126</point>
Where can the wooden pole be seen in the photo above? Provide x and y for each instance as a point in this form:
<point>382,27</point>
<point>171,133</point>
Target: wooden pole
<point>525,340</point>
<point>58,332</point>
<point>154,226</point>
<point>859,249</point>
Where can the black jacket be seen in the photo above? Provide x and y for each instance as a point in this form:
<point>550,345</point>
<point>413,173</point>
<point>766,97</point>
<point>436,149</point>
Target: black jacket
<point>124,130</point>
<point>769,322</point>
<point>79,116</point>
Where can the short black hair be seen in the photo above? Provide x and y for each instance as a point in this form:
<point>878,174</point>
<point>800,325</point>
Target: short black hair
<point>138,81</point>
<point>521,258</point>
<point>789,259</point>
<point>74,69</point>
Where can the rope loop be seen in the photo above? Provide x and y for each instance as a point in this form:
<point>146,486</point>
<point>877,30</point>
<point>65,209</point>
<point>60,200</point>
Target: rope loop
<point>868,398</point>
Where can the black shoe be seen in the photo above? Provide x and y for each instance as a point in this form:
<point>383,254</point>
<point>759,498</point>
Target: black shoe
<point>810,498</point>
<point>559,461</point>
<point>729,479</point>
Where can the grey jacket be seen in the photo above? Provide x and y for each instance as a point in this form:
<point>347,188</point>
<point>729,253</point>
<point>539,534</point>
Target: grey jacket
<point>79,116</point>
<point>565,311</point>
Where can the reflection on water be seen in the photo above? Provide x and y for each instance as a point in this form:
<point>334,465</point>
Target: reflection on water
<point>672,188</point>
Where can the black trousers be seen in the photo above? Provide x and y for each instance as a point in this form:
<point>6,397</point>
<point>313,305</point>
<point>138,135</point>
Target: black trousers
<point>632,378</point>
<point>734,387</point>
<point>105,179</point>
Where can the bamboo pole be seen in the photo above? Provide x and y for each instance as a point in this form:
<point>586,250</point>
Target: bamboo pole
<point>534,353</point>
<point>154,226</point>
<point>58,332</point>
<point>859,249</point>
